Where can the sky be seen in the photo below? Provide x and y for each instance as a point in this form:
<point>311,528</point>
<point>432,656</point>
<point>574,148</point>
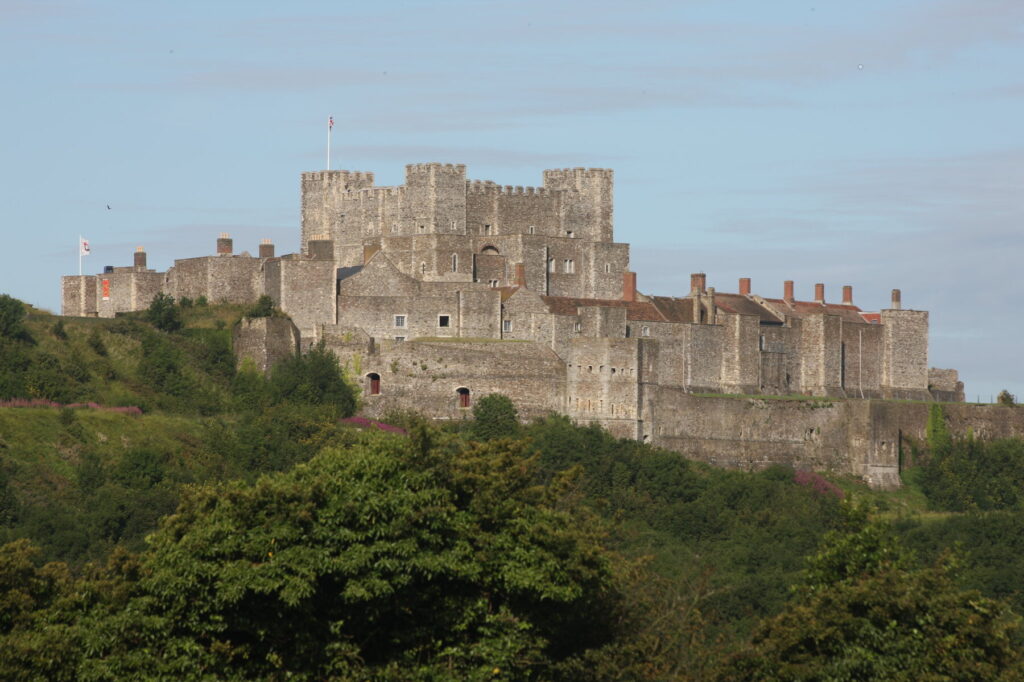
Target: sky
<point>878,144</point>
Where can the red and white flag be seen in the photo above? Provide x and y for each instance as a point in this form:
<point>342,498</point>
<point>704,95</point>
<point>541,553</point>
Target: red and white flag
<point>83,246</point>
<point>330,122</point>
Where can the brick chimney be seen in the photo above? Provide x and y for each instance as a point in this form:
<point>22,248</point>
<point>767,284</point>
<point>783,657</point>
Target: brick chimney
<point>787,290</point>
<point>224,244</point>
<point>698,283</point>
<point>896,302</point>
<point>847,295</point>
<point>744,286</point>
<point>321,247</point>
<point>819,293</point>
<point>520,275</point>
<point>629,286</point>
<point>140,258</point>
<point>266,248</point>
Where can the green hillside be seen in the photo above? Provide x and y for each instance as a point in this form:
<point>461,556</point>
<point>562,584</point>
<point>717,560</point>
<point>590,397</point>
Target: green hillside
<point>233,527</point>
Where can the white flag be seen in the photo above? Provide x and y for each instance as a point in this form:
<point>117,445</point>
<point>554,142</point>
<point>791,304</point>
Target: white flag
<point>84,246</point>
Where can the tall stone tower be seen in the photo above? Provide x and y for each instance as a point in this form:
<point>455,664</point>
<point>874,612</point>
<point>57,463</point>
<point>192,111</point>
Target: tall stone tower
<point>587,205</point>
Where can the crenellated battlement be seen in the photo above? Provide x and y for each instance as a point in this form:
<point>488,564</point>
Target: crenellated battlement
<point>420,173</point>
<point>564,174</point>
<point>488,187</point>
<point>344,178</point>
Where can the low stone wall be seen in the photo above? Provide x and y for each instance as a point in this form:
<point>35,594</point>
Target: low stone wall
<point>860,437</point>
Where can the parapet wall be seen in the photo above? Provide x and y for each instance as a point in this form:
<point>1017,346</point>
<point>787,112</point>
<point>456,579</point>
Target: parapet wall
<point>858,437</point>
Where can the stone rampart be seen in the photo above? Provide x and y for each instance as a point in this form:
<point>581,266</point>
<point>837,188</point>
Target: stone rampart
<point>858,437</point>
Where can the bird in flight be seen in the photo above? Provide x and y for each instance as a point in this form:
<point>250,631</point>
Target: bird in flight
<point>108,207</point>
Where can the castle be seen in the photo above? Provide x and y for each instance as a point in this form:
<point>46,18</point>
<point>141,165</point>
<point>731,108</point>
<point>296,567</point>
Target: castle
<point>444,289</point>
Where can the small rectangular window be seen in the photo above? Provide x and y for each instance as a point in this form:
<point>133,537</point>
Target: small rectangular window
<point>444,320</point>
<point>645,331</point>
<point>399,339</point>
<point>533,229</point>
<point>400,321</point>
<point>577,327</point>
<point>506,326</point>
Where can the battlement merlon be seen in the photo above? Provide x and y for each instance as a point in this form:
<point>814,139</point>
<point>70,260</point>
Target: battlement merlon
<point>337,180</point>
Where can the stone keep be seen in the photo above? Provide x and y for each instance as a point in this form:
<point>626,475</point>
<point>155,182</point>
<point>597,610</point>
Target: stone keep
<point>446,288</point>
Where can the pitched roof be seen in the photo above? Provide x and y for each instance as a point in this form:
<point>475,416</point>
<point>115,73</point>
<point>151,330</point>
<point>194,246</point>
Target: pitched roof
<point>849,313</point>
<point>743,305</point>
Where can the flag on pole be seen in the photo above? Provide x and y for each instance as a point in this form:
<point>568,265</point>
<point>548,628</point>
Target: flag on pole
<point>83,247</point>
<point>330,122</point>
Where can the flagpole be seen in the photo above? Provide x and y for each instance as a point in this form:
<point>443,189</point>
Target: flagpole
<point>79,255</point>
<point>329,126</point>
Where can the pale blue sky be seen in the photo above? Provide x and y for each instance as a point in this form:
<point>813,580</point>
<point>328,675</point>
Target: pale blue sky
<point>870,143</point>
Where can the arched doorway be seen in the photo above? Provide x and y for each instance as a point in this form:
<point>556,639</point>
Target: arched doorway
<point>374,383</point>
<point>463,396</point>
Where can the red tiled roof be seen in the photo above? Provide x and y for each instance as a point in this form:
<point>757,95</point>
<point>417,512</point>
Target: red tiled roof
<point>873,318</point>
<point>742,305</point>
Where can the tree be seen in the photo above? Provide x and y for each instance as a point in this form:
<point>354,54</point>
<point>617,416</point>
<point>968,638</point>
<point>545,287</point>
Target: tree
<point>1006,398</point>
<point>494,416</point>
<point>163,314</point>
<point>12,315</point>
<point>314,378</point>
<point>864,613</point>
<point>395,559</point>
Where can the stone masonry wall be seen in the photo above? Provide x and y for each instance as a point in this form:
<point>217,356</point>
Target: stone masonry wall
<point>859,437</point>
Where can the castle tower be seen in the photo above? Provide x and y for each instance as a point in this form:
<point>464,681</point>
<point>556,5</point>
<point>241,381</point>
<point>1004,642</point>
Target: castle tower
<point>436,198</point>
<point>323,193</point>
<point>587,205</point>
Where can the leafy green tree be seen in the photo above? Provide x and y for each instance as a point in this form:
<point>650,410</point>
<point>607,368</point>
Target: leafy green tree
<point>494,416</point>
<point>865,613</point>
<point>1006,398</point>
<point>975,475</point>
<point>12,316</point>
<point>396,559</point>
<point>313,378</point>
<point>163,314</point>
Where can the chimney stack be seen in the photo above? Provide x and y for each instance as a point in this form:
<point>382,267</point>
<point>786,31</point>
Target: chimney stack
<point>320,247</point>
<point>698,282</point>
<point>819,293</point>
<point>629,286</point>
<point>847,295</point>
<point>520,275</point>
<point>744,286</point>
<point>787,290</point>
<point>896,302</point>
<point>266,248</point>
<point>224,244</point>
<point>140,258</point>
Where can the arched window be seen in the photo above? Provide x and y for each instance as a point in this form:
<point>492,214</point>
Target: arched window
<point>463,395</point>
<point>490,250</point>
<point>455,262</point>
<point>374,380</point>
<point>423,268</point>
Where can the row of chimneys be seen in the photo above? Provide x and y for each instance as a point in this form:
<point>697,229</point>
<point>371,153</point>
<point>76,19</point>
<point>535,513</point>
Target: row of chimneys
<point>225,246</point>
<point>698,285</point>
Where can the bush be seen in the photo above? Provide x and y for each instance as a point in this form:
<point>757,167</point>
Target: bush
<point>163,314</point>
<point>315,378</point>
<point>12,316</point>
<point>1006,398</point>
<point>264,307</point>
